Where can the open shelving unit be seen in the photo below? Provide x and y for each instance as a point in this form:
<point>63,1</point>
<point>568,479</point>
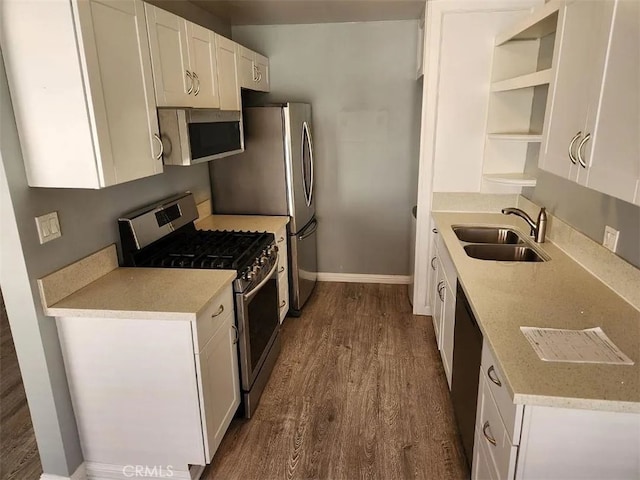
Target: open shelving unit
<point>521,74</point>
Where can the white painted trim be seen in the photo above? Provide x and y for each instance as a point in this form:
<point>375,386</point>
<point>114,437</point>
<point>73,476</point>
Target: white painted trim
<point>364,278</point>
<point>79,474</point>
<point>104,471</point>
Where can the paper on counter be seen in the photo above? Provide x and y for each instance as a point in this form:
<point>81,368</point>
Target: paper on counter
<point>577,346</point>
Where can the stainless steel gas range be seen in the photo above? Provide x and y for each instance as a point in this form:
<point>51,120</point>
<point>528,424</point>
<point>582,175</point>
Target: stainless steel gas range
<point>164,235</point>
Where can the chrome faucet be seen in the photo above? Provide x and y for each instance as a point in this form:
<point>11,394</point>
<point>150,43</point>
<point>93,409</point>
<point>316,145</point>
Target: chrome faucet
<point>538,229</point>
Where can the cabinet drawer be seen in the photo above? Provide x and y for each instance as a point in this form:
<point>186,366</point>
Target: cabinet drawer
<point>447,264</point>
<point>493,434</point>
<point>483,467</point>
<point>283,295</point>
<point>510,413</point>
<point>213,317</point>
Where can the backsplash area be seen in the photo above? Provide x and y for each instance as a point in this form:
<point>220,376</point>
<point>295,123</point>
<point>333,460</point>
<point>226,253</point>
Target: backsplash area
<point>589,212</point>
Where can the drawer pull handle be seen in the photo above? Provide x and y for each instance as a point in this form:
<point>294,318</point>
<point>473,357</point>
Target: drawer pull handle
<point>489,438</point>
<point>433,267</point>
<point>281,270</point>
<point>494,378</point>
<point>283,304</point>
<point>434,230</point>
<point>219,312</point>
<point>237,335</point>
<point>281,239</point>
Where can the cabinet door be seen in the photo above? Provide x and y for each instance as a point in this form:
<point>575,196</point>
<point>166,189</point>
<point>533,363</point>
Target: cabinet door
<point>170,57</point>
<point>227,74</point>
<point>246,69</point>
<point>203,66</point>
<point>568,102</point>
<point>448,324</point>
<point>438,308</point>
<point>220,384</point>
<point>261,65</point>
<point>613,152</point>
<point>116,51</point>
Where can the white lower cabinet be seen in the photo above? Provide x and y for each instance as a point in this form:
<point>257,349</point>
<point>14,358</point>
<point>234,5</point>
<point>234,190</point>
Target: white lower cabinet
<point>443,303</point>
<point>219,383</point>
<point>533,442</point>
<point>283,272</point>
<point>152,392</point>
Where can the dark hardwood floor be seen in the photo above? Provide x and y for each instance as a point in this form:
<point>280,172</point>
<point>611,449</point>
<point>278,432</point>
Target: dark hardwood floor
<point>357,393</point>
<point>19,457</point>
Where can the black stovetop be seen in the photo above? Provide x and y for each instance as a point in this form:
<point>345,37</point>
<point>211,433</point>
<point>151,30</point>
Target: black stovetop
<point>190,248</point>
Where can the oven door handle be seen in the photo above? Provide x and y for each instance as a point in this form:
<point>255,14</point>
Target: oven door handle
<point>248,296</point>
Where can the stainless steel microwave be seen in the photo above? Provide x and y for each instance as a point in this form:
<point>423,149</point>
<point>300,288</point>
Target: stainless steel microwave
<point>191,136</point>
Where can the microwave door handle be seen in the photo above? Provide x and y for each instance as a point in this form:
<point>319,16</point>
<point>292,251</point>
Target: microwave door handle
<point>248,296</point>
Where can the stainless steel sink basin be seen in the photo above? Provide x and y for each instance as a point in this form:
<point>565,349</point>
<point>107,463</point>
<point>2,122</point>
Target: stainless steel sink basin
<point>503,253</point>
<point>495,235</point>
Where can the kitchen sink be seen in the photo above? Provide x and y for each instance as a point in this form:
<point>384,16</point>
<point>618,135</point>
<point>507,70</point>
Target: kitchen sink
<point>495,235</point>
<point>504,253</point>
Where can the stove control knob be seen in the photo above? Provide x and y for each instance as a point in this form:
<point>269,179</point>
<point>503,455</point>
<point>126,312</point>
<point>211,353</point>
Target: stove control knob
<point>256,269</point>
<point>264,260</point>
<point>247,274</point>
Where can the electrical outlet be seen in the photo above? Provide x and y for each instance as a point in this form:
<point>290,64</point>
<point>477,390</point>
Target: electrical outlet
<point>48,227</point>
<point>610,240</point>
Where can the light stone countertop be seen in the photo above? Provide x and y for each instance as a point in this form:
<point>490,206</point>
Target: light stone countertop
<point>558,294</point>
<point>255,223</point>
<point>145,293</point>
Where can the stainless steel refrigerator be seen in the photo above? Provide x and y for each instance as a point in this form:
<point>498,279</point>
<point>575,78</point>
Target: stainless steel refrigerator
<point>275,176</point>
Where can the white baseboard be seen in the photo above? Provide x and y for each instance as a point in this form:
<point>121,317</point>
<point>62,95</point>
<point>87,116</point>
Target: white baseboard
<point>364,278</point>
<point>79,474</point>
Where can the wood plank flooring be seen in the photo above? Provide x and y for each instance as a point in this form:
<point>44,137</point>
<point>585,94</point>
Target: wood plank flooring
<point>358,392</point>
<point>19,457</point>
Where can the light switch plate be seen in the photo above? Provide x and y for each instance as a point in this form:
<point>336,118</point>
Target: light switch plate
<point>48,227</point>
<point>610,240</point>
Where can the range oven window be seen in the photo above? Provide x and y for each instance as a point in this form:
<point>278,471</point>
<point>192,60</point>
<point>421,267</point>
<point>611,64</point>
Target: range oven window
<point>263,320</point>
<point>212,138</point>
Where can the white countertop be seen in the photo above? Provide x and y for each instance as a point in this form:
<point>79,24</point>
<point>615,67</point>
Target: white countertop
<point>145,293</point>
<point>557,294</point>
<point>255,223</point>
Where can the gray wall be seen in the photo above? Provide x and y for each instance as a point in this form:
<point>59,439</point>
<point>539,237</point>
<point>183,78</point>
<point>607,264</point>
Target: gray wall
<point>360,80</point>
<point>589,212</point>
<point>88,223</point>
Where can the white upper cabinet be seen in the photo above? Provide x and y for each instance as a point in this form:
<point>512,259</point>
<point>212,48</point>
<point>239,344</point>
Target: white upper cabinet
<point>82,91</point>
<point>592,130</point>
<point>253,69</point>
<point>184,61</point>
<point>226,52</point>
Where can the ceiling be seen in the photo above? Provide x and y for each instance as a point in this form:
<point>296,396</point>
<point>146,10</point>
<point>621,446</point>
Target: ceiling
<point>278,12</point>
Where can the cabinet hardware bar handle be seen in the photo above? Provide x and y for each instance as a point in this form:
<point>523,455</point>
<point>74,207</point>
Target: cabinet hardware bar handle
<point>219,312</point>
<point>434,230</point>
<point>190,77</point>
<point>489,438</point>
<point>586,138</point>
<point>433,267</point>
<point>157,137</point>
<point>237,335</point>
<point>494,378</point>
<point>280,239</point>
<point>197,79</point>
<point>573,140</point>
<point>283,304</point>
<point>441,290</point>
<point>281,270</point>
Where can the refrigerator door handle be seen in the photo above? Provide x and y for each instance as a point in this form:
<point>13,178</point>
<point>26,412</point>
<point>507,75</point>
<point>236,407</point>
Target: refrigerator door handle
<point>308,189</point>
<point>313,226</point>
